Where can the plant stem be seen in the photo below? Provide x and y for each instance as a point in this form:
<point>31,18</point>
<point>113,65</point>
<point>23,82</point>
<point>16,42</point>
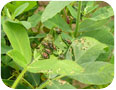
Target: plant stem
<point>43,85</point>
<point>10,77</point>
<point>78,18</point>
<point>47,82</point>
<point>27,83</point>
<point>19,78</point>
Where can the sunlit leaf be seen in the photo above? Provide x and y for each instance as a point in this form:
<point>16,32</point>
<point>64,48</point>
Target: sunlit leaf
<point>53,8</point>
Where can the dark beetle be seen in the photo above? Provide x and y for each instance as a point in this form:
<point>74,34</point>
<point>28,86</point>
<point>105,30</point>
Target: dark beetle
<point>52,46</point>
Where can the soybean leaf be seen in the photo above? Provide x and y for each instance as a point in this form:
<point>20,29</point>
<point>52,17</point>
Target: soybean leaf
<point>33,78</point>
<point>72,11</point>
<point>87,49</point>
<point>31,5</point>
<point>102,13</point>
<point>112,59</point>
<point>60,84</point>
<point>55,66</point>
<point>57,21</point>
<point>6,71</point>
<point>90,6</point>
<point>12,6</point>
<point>18,58</point>
<point>41,35</point>
<point>69,54</point>
<point>96,73</point>
<point>53,8</point>
<point>103,35</point>
<point>90,25</point>
<point>5,49</point>
<point>65,36</point>
<point>106,56</point>
<point>6,60</point>
<point>26,24</point>
<point>20,9</point>
<point>19,86</point>
<point>34,19</point>
<point>60,44</point>
<point>18,38</point>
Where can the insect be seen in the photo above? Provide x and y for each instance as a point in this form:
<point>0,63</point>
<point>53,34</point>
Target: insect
<point>45,45</point>
<point>48,51</point>
<point>45,55</point>
<point>68,41</point>
<point>52,46</point>
<point>58,31</point>
<point>34,45</point>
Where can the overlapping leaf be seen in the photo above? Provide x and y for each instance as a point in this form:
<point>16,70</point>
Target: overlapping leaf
<point>87,49</point>
<point>103,13</point>
<point>20,9</point>
<point>103,35</point>
<point>90,25</point>
<point>60,84</point>
<point>64,67</point>
<point>72,11</point>
<point>97,73</point>
<point>34,19</point>
<point>57,21</point>
<point>19,39</point>
<point>90,6</point>
<point>53,8</point>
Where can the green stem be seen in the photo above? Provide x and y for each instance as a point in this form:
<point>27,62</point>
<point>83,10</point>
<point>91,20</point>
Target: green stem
<point>78,18</point>
<point>47,82</point>
<point>10,77</point>
<point>43,85</point>
<point>19,78</point>
<point>27,83</point>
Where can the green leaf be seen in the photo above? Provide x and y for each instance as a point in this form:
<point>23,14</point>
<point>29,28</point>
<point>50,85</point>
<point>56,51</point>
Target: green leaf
<point>5,71</point>
<point>87,49</point>
<point>10,82</point>
<point>96,73</point>
<point>20,9</point>
<point>53,8</point>
<point>66,36</point>
<point>90,25</point>
<point>90,6</point>
<point>8,62</point>
<point>41,35</point>
<point>12,6</point>
<point>57,21</point>
<point>60,44</point>
<point>34,19</point>
<point>102,13</point>
<point>72,11</point>
<point>32,4</point>
<point>5,49</point>
<point>112,59</point>
<point>33,78</point>
<point>18,58</point>
<point>103,35</point>
<point>18,38</point>
<point>64,67</point>
<point>106,56</point>
<point>26,24</point>
<point>59,84</point>
<point>69,54</point>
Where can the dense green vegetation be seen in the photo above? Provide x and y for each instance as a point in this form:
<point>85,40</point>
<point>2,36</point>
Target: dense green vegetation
<point>57,45</point>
